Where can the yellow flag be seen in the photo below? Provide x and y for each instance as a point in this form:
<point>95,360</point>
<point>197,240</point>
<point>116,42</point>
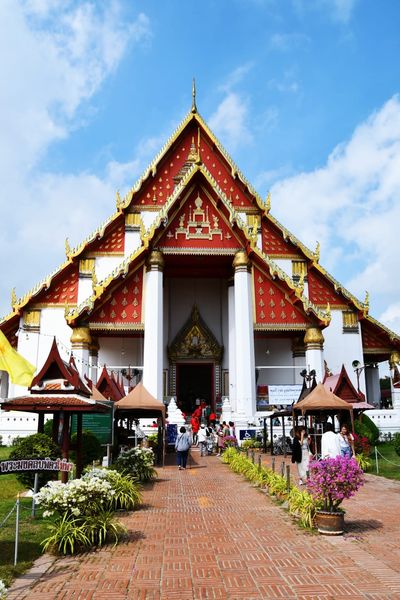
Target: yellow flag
<point>20,370</point>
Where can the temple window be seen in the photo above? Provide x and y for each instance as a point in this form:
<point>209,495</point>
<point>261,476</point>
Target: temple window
<point>299,270</point>
<point>350,321</point>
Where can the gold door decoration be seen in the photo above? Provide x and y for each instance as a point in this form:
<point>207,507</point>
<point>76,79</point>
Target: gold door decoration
<point>195,341</point>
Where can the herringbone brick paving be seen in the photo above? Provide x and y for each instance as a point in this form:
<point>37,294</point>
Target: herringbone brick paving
<point>206,534</point>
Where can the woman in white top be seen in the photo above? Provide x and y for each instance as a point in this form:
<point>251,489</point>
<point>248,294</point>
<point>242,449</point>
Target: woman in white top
<point>346,441</point>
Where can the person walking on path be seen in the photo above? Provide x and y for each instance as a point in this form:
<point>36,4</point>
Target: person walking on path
<point>330,446</point>
<point>301,453</point>
<point>346,441</point>
<point>182,447</point>
<point>202,440</point>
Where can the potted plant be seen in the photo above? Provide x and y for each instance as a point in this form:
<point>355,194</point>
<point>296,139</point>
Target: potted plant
<point>331,481</point>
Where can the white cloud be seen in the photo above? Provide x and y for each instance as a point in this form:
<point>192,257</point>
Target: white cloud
<point>236,77</point>
<point>351,206</point>
<point>54,56</point>
<point>340,11</point>
<point>391,316</point>
<point>285,42</point>
<point>229,121</point>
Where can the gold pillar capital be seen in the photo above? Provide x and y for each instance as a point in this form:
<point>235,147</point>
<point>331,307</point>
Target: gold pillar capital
<point>155,261</point>
<point>81,337</point>
<point>394,359</point>
<point>313,338</point>
<point>241,261</point>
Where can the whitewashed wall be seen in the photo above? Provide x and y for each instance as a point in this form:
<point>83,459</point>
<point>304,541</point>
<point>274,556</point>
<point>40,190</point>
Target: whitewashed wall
<point>106,264</point>
<point>343,348</point>
<point>275,352</point>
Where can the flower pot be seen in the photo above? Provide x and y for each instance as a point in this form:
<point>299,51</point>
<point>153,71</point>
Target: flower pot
<point>330,523</point>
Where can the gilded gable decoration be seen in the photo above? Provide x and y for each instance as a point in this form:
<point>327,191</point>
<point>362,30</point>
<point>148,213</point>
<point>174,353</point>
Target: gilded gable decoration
<point>195,340</point>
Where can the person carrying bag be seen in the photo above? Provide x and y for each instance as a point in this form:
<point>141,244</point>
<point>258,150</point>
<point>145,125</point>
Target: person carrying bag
<point>182,447</point>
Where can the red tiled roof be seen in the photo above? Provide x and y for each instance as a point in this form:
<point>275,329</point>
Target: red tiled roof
<point>53,403</point>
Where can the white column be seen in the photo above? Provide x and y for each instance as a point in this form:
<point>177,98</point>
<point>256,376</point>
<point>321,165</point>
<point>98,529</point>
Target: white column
<point>153,326</point>
<point>244,333</point>
<point>28,345</point>
<point>80,343</point>
<point>314,341</point>
<point>232,346</point>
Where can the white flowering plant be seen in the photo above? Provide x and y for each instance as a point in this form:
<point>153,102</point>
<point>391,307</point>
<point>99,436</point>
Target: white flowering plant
<point>138,462</point>
<point>3,590</point>
<point>77,497</point>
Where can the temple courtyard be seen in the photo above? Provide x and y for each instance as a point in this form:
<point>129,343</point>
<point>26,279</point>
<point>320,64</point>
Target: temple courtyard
<point>205,533</point>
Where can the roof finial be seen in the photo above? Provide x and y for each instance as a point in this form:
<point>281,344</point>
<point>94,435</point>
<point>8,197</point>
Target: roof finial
<point>268,202</point>
<point>13,298</point>
<point>366,301</point>
<point>198,161</point>
<point>194,107</point>
<point>317,252</point>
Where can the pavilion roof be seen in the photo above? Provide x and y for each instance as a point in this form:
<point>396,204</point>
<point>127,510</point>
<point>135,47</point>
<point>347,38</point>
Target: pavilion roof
<point>54,403</point>
<point>140,402</point>
<point>320,399</point>
<point>341,385</point>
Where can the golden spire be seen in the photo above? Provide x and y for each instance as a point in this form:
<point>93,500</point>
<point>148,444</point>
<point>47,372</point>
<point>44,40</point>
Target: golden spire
<point>67,247</point>
<point>194,107</point>
<point>317,252</point>
<point>193,154</point>
<point>118,200</point>
<point>13,298</point>
<point>268,202</point>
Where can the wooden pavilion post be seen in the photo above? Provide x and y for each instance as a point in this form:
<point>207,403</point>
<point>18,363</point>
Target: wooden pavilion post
<point>284,437</point>
<point>65,444</point>
<point>40,427</point>
<point>79,465</point>
<point>271,434</point>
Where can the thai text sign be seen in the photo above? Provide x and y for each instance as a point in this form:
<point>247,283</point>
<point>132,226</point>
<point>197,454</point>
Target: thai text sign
<point>35,464</point>
<point>283,394</point>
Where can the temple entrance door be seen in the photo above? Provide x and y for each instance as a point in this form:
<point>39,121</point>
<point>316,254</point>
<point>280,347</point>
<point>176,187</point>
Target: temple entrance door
<point>194,380</point>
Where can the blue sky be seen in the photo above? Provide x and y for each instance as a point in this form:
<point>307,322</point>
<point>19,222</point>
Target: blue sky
<point>302,93</point>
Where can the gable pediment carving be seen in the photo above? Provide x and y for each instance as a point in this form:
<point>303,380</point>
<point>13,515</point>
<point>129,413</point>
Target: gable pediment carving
<point>195,341</point>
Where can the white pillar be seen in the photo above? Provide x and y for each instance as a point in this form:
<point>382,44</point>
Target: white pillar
<point>153,326</point>
<point>244,333</point>
<point>80,343</point>
<point>231,346</point>
<point>314,341</point>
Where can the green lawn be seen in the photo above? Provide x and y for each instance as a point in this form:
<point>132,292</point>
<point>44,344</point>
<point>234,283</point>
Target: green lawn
<point>389,466</point>
<point>32,531</point>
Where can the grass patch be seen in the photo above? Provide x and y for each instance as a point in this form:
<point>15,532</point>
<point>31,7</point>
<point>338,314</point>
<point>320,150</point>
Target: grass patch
<point>386,469</point>
<point>31,531</point>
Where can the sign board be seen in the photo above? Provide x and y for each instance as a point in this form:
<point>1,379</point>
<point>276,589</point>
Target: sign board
<point>99,424</point>
<point>283,394</point>
<point>172,433</point>
<point>247,434</point>
<point>35,464</point>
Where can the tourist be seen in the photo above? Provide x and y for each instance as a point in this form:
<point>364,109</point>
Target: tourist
<point>222,432</point>
<point>346,441</point>
<point>301,453</point>
<point>195,423</point>
<point>330,446</point>
<point>182,447</point>
<point>202,440</point>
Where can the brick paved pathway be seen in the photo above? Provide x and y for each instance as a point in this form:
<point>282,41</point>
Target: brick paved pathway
<point>205,533</point>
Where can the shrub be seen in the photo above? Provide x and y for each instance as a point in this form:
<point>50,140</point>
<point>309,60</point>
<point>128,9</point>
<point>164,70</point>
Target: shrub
<point>362,445</point>
<point>396,443</point>
<point>126,492</point>
<point>368,429</point>
<point>91,448</point>
<point>137,462</point>
<point>35,446</point>
<point>78,497</point>
<point>251,444</point>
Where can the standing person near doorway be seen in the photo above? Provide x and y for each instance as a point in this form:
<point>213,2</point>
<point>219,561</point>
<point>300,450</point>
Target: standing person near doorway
<point>301,453</point>
<point>182,447</point>
<point>330,446</point>
<point>202,440</point>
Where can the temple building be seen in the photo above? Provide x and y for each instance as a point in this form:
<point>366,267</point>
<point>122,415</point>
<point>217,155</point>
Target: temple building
<point>195,288</point>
